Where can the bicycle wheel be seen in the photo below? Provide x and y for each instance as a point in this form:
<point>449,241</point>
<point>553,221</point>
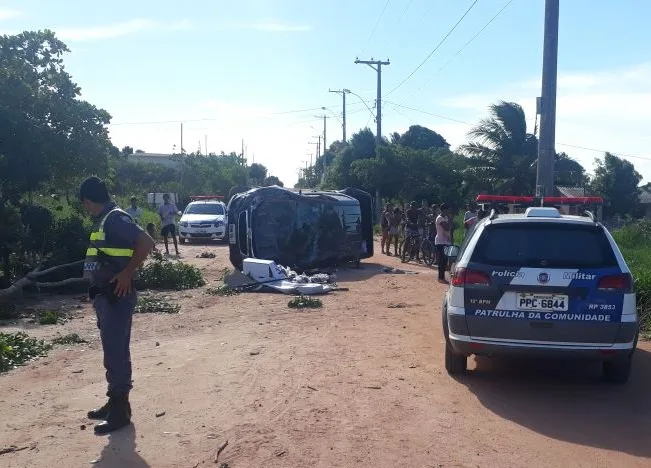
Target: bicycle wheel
<point>427,250</point>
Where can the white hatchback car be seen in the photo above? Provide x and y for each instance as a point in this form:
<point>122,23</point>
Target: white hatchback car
<point>203,220</point>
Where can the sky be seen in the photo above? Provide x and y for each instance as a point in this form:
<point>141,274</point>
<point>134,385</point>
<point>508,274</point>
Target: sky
<point>261,70</point>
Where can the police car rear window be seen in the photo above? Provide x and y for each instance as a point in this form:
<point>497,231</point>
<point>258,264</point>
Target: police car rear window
<point>544,245</point>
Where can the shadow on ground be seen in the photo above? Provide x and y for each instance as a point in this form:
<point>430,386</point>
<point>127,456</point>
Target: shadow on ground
<point>120,450</point>
<point>568,401</point>
<point>366,270</point>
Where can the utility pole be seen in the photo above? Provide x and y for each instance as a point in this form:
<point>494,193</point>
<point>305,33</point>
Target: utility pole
<point>377,66</point>
<point>343,93</point>
<point>205,137</point>
<point>181,138</point>
<point>547,103</point>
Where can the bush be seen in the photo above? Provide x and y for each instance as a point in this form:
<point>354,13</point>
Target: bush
<point>162,273</point>
<point>634,241</point>
<point>8,311</point>
<point>18,348</point>
<point>48,317</point>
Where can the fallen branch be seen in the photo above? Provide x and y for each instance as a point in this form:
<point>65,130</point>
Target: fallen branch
<point>31,279</point>
<point>220,450</point>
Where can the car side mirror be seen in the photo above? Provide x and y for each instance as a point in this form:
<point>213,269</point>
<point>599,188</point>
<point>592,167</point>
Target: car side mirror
<point>179,213</point>
<point>451,251</point>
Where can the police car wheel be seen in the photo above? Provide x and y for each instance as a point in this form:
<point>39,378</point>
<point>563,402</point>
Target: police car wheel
<point>454,363</point>
<point>617,371</point>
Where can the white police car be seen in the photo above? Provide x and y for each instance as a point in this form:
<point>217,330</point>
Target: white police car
<point>544,284</point>
<point>203,219</point>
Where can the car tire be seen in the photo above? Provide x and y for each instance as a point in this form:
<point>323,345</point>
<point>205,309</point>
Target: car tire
<point>618,371</point>
<point>455,363</point>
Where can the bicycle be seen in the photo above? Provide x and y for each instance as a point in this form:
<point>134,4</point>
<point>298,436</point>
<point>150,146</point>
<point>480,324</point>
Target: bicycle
<point>427,248</point>
<point>411,246</point>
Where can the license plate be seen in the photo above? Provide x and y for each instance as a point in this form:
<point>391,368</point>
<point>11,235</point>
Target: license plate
<point>544,302</point>
<point>201,231</point>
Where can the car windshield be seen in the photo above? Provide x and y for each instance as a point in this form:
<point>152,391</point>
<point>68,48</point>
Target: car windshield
<point>205,209</point>
<point>544,245</point>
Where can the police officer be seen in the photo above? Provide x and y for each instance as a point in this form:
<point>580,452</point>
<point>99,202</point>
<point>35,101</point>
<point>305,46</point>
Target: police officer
<point>117,247</point>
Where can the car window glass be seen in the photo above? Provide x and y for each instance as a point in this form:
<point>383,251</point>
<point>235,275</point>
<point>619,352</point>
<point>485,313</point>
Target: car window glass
<point>544,245</point>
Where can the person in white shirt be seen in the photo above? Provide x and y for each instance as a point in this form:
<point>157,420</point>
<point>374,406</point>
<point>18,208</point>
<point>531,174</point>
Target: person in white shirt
<point>443,238</point>
<point>134,210</point>
<point>470,217</point>
<point>167,212</point>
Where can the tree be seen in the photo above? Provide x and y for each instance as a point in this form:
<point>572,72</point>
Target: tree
<point>616,180</point>
<point>43,123</point>
<point>273,180</point>
<point>503,154</point>
<point>423,138</point>
<point>257,173</point>
<point>569,172</point>
<point>126,151</point>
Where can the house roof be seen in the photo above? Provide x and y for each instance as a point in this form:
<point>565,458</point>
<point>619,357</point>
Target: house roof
<point>645,197</point>
<point>571,191</point>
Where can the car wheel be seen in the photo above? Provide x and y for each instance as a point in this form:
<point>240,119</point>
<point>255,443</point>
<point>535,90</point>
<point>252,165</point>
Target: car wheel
<point>618,371</point>
<point>455,363</point>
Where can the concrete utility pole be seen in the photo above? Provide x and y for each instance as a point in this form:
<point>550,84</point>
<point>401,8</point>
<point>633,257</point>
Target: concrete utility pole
<point>324,117</point>
<point>377,66</point>
<point>547,140</point>
<point>343,93</point>
<point>181,137</point>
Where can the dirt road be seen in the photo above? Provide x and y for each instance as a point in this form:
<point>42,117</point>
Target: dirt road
<point>359,383</point>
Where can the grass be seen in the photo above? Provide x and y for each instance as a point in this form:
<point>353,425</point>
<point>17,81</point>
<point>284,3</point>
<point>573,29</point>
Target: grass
<point>170,275</point>
<point>634,241</point>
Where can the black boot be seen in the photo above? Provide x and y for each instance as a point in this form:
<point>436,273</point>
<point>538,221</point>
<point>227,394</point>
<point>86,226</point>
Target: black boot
<point>101,414</point>
<point>119,415</point>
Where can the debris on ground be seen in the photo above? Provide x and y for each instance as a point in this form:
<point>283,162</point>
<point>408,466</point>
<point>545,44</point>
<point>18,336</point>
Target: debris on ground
<point>267,275</point>
<point>219,451</point>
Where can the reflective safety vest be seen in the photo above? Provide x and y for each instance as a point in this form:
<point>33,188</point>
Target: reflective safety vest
<point>99,246</point>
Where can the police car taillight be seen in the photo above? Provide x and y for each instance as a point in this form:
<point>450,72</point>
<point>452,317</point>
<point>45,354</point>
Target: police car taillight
<point>466,277</point>
<point>616,283</point>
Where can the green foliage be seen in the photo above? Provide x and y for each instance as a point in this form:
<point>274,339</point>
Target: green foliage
<point>18,348</point>
<point>634,241</point>
<point>303,302</point>
<point>616,180</point>
<point>71,338</point>
<point>48,317</point>
<point>162,273</point>
<point>222,290</point>
<point>155,305</point>
<point>422,138</point>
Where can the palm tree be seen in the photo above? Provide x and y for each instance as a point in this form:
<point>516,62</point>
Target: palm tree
<point>502,153</point>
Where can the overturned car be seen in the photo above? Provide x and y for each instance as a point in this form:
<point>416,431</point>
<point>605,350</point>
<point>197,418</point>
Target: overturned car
<point>302,230</point>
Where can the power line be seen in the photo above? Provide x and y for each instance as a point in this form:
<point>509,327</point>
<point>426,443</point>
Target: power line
<point>404,13</point>
<point>375,27</point>
<point>464,46</point>
<point>472,5</point>
<point>213,119</point>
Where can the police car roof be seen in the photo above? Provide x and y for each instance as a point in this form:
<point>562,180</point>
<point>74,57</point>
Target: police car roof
<point>206,202</point>
<point>521,218</point>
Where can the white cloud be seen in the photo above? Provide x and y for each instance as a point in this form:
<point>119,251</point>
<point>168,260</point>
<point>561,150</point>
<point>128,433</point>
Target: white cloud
<point>9,13</point>
<point>114,30</point>
<point>608,110</point>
